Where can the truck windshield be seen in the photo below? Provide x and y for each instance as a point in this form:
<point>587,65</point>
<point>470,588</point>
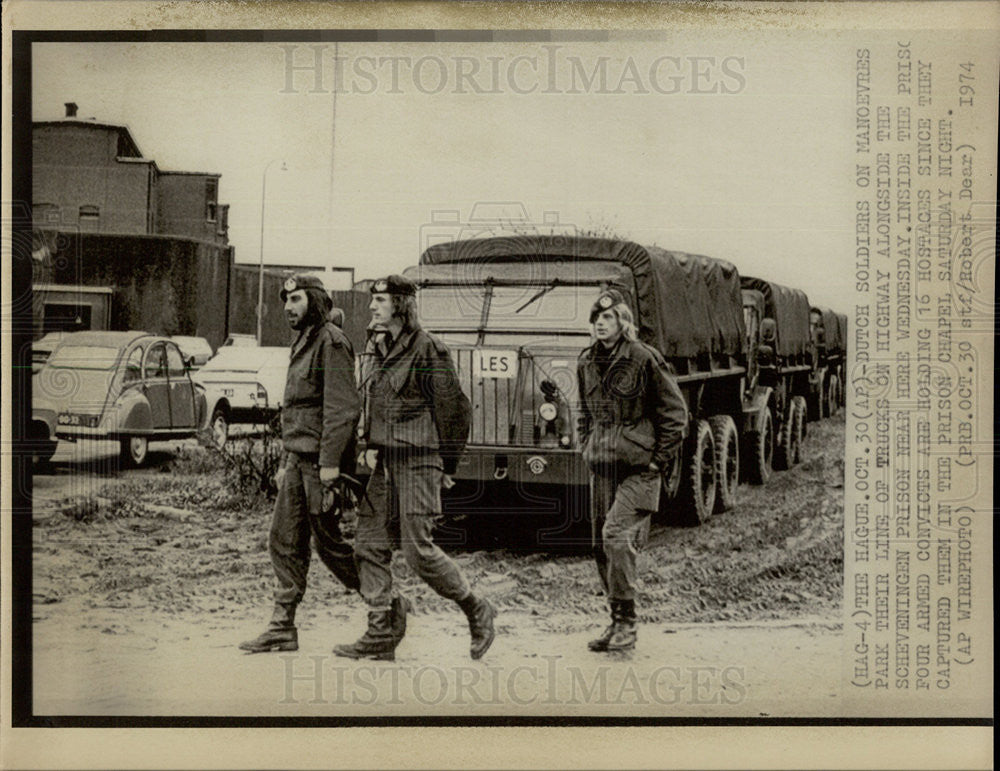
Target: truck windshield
<point>550,307</point>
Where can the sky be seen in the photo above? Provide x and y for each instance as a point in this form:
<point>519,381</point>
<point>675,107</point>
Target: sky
<point>419,137</point>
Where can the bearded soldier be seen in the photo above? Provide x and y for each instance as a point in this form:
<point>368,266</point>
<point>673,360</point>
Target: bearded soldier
<point>632,420</point>
<point>319,417</point>
<point>417,422</point>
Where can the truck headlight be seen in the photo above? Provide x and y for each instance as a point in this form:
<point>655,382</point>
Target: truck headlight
<point>548,411</point>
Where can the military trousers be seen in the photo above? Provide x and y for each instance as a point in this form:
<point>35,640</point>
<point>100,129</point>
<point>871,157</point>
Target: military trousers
<point>622,502</point>
<point>296,521</point>
<point>402,504</point>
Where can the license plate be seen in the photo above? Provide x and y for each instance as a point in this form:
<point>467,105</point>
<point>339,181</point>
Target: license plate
<point>66,419</point>
<point>228,391</point>
<point>497,364</point>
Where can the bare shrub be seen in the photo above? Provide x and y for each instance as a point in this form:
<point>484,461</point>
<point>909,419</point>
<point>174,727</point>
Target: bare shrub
<point>250,464</point>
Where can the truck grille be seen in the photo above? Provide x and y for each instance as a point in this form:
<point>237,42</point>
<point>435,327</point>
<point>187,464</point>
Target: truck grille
<point>493,402</point>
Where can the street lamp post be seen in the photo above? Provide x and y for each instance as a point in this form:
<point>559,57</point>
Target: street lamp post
<point>260,275</point>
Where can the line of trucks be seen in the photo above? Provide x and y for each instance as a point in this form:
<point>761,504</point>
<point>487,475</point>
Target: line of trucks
<point>755,362</point>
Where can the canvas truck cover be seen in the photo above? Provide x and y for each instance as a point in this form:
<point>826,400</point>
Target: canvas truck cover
<point>790,310</point>
<point>688,304</point>
<point>842,324</point>
<point>833,338</point>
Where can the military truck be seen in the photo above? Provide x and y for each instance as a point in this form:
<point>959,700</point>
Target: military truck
<point>515,313</point>
<point>778,343</point>
<point>828,333</point>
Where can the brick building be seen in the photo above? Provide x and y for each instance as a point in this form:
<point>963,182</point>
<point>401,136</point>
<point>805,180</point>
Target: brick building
<point>119,243</point>
<point>92,176</point>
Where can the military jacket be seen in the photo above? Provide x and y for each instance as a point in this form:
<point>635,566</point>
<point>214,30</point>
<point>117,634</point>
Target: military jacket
<point>635,413</point>
<point>321,405</point>
<point>413,401</point>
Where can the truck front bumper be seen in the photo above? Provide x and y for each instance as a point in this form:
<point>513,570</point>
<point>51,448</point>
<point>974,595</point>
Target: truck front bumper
<point>517,465</point>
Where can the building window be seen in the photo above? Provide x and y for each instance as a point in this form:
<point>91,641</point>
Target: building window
<point>90,218</point>
<point>211,199</point>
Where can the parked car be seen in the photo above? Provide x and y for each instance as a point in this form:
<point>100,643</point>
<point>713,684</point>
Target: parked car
<point>42,348</point>
<point>244,385</point>
<point>131,387</point>
<point>240,341</point>
<point>196,350</point>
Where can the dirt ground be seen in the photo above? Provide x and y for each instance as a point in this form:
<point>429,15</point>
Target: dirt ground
<point>138,610</point>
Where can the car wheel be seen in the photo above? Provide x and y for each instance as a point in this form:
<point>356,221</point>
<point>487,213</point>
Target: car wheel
<point>134,450</point>
<point>220,428</point>
<point>43,452</point>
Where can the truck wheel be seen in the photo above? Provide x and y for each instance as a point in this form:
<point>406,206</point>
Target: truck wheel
<point>698,497</point>
<point>824,398</point>
<point>784,452</point>
<point>219,425</point>
<point>799,405</point>
<point>727,460</point>
<point>134,450</point>
<point>833,397</point>
<point>760,449</point>
<point>814,404</point>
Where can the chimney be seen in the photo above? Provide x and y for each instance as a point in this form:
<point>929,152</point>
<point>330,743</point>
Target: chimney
<point>70,109</point>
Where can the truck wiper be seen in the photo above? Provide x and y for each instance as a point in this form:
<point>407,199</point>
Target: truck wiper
<point>540,293</point>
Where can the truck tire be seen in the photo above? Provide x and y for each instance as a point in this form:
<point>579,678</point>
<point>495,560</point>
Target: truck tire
<point>784,450</point>
<point>833,397</point>
<point>760,449</point>
<point>698,488</point>
<point>727,461</point>
<point>814,404</point>
<point>799,406</point>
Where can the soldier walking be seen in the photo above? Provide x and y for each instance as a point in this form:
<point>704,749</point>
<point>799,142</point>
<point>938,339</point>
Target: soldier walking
<point>632,420</point>
<point>417,422</point>
<point>319,417</point>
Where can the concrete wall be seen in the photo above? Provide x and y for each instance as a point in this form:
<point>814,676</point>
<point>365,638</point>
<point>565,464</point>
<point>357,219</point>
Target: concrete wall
<point>163,285</point>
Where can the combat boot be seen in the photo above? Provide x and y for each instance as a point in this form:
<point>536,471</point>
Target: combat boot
<point>378,642</point>
<point>600,644</point>
<point>623,635</point>
<point>400,607</point>
<point>480,613</point>
<point>280,635</point>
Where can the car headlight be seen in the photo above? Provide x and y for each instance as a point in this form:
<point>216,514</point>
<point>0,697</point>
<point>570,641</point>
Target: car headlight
<point>548,411</point>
